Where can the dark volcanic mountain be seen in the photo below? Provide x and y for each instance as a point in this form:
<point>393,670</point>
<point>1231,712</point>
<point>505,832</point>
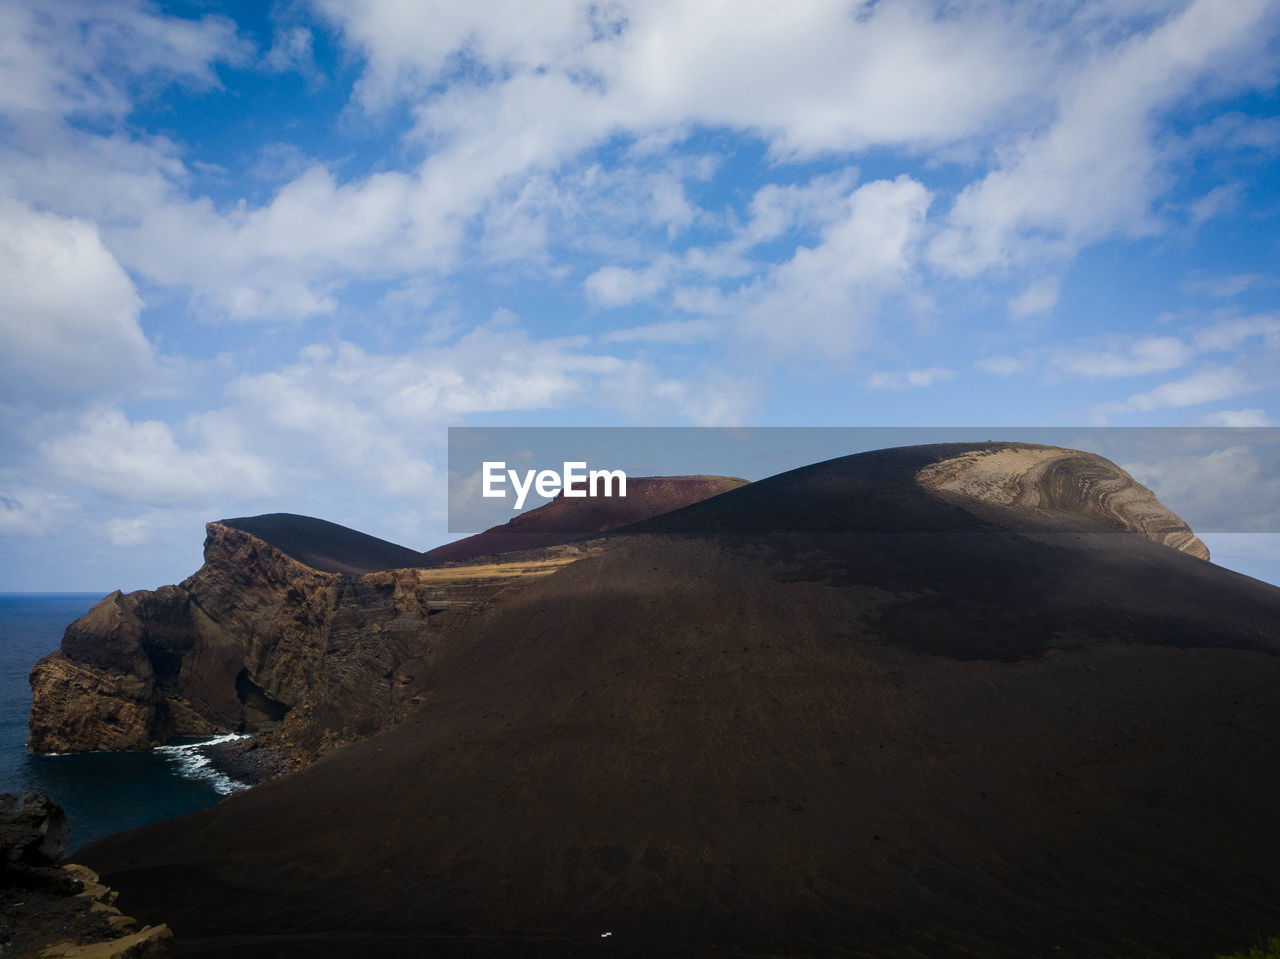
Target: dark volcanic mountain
<point>326,546</point>
<point>967,700</point>
<point>565,520</point>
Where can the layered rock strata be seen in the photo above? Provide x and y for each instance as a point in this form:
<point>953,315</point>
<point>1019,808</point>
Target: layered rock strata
<point>254,640</point>
<point>1044,480</point>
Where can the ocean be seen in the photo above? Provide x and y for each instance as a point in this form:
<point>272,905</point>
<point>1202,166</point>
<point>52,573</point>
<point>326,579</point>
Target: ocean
<point>103,793</point>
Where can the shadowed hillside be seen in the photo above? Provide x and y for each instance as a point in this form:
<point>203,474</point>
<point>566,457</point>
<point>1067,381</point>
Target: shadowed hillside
<point>856,709</point>
<point>565,520</point>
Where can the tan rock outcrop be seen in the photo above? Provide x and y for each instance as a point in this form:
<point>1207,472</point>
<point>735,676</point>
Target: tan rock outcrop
<point>52,911</point>
<point>126,940</point>
<point>149,942</point>
<point>1048,479</point>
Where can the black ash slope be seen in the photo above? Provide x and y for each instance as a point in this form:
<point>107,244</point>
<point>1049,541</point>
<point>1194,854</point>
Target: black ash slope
<point>826,714</point>
<point>326,546</point>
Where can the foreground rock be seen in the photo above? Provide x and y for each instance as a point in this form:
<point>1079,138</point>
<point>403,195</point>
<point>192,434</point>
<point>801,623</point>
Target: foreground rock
<point>841,711</point>
<point>51,911</point>
<point>33,829</point>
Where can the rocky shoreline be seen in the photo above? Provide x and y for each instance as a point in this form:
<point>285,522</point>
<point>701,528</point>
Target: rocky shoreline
<point>248,762</point>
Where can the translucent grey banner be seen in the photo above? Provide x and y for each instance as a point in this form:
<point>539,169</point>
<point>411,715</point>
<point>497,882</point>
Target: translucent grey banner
<point>1218,479</point>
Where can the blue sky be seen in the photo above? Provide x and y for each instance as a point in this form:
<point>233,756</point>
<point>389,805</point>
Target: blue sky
<point>259,257</point>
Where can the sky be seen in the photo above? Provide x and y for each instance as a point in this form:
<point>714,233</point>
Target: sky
<point>259,257</point>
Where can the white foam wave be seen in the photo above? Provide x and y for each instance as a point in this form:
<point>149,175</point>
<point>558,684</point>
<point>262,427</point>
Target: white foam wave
<point>193,764</point>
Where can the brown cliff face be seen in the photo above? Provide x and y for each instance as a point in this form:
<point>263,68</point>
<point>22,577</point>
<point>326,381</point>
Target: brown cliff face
<point>229,648</point>
<point>294,624</point>
<point>255,639</point>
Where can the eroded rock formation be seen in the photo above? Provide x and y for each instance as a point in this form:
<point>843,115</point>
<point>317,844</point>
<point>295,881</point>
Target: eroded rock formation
<point>1048,479</point>
<point>254,639</point>
<point>290,624</point>
<point>312,630</point>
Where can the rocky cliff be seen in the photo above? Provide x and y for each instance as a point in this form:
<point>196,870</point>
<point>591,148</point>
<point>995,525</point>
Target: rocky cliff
<point>298,625</point>
<point>316,632</point>
<point>255,639</point>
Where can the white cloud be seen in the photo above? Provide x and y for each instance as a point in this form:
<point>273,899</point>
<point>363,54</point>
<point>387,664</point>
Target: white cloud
<point>1096,170</point>
<point>153,528</point>
<point>1039,297</point>
<point>503,96</point>
<point>1234,468</point>
<point>143,462</point>
<point>1233,489</point>
<point>33,512</point>
<point>291,49</point>
<point>909,379</point>
<point>674,332</point>
<point>369,418</point>
<point>1002,365</point>
<point>1229,334</point>
<point>612,286</point>
<point>279,162</point>
<point>493,368</point>
<point>409,47</point>
<point>1151,355</point>
<point>1234,130</point>
<point>774,211</point>
<point>343,418</point>
<point>777,209</point>
<point>669,205</point>
<point>82,56</point>
<point>128,532</point>
<point>1237,418</point>
<point>1234,284</point>
<point>68,312</point>
<point>1205,386</point>
<point>1221,199</point>
<point>283,259</point>
<point>828,295</point>
<point>812,75</point>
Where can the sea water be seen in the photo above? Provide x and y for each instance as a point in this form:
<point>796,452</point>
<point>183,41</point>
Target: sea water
<point>102,792</point>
